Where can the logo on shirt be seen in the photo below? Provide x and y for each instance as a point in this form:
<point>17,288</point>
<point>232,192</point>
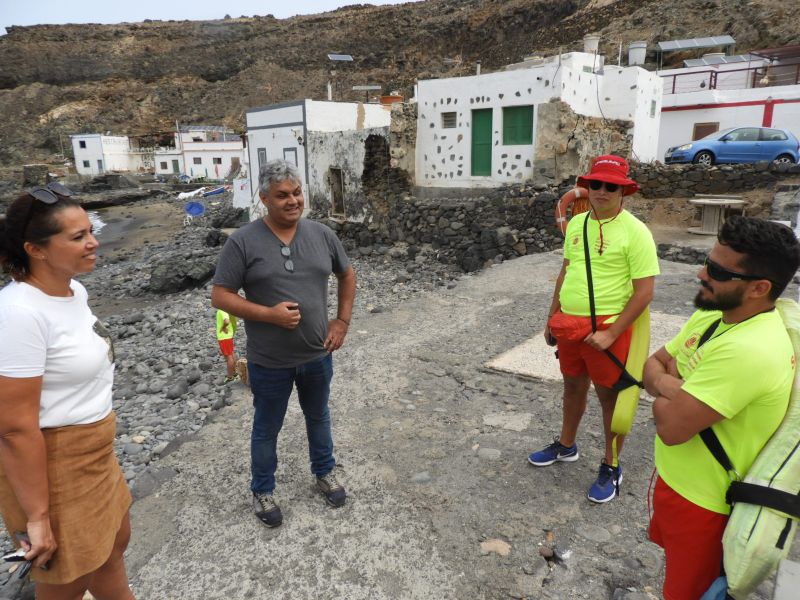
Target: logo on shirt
<point>575,240</point>
<point>100,330</point>
<point>691,341</point>
<point>793,361</point>
<point>605,245</point>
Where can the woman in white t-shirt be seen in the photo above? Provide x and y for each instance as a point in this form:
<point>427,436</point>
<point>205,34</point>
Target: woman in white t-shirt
<point>60,482</point>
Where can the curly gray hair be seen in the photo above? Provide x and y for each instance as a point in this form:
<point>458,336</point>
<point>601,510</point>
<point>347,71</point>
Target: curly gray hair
<point>276,171</point>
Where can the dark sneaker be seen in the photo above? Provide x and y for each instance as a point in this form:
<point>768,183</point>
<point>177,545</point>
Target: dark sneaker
<point>267,511</point>
<point>555,452</point>
<point>334,491</point>
<point>607,485</point>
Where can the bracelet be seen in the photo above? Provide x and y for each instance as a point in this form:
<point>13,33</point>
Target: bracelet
<point>343,321</point>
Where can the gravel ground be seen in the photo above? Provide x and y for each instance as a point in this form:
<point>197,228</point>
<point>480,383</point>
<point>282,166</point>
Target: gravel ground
<point>422,401</point>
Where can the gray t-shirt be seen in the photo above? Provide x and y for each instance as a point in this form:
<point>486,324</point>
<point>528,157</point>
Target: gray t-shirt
<point>251,260</point>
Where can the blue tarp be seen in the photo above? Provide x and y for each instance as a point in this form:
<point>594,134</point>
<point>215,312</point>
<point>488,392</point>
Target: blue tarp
<point>195,209</point>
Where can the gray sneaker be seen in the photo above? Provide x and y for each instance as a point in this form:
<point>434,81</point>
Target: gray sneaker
<point>267,511</point>
<point>334,491</point>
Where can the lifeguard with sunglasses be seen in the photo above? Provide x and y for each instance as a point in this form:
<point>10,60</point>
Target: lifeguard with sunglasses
<point>60,481</point>
<point>622,259</point>
<point>730,369</point>
<point>283,262</point>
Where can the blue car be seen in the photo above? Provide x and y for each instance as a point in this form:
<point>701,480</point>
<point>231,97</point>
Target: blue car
<point>738,145</point>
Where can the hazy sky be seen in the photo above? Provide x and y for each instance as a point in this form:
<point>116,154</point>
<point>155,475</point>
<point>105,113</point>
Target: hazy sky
<point>35,12</point>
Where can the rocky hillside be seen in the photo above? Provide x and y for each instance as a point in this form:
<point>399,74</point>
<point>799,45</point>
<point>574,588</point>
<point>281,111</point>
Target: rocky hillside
<point>137,78</point>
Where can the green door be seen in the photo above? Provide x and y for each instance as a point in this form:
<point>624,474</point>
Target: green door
<point>482,142</point>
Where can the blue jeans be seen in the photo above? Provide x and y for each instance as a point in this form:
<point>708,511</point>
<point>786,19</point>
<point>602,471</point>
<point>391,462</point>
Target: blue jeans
<point>271,390</point>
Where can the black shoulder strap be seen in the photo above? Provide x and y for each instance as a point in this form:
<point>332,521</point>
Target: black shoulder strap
<point>707,435</point>
<point>708,333</point>
<point>715,447</point>
<point>625,380</point>
<point>588,262</point>
<point>751,493</point>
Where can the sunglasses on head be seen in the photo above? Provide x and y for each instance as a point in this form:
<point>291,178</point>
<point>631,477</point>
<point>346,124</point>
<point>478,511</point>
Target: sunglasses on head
<point>719,273</point>
<point>596,185</point>
<point>286,252</point>
<point>50,193</point>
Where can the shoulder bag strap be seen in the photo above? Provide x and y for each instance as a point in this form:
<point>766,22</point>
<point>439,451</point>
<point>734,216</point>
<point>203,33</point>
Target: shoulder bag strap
<point>589,270</point>
<point>626,379</point>
<point>708,436</point>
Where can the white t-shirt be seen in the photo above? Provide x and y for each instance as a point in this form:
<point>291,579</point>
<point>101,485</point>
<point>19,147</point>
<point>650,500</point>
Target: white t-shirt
<point>61,340</point>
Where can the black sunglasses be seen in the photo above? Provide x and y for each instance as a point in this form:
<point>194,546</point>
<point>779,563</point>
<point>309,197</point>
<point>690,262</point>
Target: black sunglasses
<point>50,193</point>
<point>719,273</point>
<point>286,252</point>
<point>596,185</point>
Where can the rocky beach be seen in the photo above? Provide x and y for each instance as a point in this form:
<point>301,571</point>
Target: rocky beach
<point>431,442</point>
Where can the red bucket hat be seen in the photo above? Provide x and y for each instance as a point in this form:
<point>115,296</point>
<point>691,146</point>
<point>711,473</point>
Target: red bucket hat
<point>611,169</point>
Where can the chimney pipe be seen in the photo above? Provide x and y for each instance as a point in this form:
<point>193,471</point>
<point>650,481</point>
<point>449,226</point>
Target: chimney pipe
<point>591,43</point>
<point>636,53</point>
<point>477,67</point>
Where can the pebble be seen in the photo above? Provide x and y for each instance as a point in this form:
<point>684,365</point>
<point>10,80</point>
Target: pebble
<point>422,477</point>
<point>498,547</point>
<point>489,453</point>
<point>132,449</point>
<point>594,533</point>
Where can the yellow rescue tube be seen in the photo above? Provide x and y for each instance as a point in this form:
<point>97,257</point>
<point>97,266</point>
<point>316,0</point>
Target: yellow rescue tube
<point>628,399</point>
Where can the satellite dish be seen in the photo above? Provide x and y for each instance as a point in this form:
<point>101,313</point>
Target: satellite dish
<point>194,209</point>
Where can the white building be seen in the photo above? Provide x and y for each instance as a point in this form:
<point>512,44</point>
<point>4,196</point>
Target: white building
<point>201,151</point>
<point>480,131</point>
<point>759,90</point>
<point>96,153</point>
<point>325,140</point>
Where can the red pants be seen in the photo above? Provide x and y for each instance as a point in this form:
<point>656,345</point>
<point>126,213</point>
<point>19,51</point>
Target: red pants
<point>226,347</point>
<point>576,357</point>
<point>691,537</point>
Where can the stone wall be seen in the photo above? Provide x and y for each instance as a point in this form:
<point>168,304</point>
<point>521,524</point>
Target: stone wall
<point>344,150</point>
<point>474,231</point>
<point>403,138</point>
<point>684,181</point>
<point>566,142</point>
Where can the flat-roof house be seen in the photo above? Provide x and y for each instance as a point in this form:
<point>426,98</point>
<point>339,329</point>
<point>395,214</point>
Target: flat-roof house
<point>325,140</point>
<point>503,127</point>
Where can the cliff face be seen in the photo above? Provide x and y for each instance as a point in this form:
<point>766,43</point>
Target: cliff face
<point>140,77</point>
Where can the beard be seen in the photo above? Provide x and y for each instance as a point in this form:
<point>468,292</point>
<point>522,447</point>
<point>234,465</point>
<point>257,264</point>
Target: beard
<point>720,301</point>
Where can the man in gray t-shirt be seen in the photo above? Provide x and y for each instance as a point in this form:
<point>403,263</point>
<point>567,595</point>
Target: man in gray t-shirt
<point>283,263</point>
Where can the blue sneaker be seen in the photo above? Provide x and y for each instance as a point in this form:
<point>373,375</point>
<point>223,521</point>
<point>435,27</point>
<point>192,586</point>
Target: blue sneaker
<point>555,452</point>
<point>607,485</point>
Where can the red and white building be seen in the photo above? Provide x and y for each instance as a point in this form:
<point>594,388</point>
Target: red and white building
<point>761,89</point>
<point>207,151</point>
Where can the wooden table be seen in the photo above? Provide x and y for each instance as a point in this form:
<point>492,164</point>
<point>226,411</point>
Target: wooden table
<point>713,212</point>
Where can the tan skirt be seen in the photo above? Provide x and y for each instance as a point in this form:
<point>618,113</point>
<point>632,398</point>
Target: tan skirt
<point>88,499</point>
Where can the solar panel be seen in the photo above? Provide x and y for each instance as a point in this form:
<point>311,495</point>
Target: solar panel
<point>342,57</point>
<point>716,60</point>
<point>705,42</point>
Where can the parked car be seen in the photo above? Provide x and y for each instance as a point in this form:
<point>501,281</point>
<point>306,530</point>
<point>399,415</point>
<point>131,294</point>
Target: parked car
<point>738,145</point>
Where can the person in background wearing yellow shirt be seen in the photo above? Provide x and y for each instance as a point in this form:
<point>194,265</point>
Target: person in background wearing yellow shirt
<point>226,329</point>
<point>624,264</point>
<point>730,369</point>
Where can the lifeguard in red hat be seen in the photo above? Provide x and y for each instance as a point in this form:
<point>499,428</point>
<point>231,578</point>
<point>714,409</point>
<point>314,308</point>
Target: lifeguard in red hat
<point>623,262</point>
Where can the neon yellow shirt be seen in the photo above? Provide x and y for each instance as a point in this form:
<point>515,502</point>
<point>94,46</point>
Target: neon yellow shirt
<point>221,316</point>
<point>629,252</point>
<point>745,373</point>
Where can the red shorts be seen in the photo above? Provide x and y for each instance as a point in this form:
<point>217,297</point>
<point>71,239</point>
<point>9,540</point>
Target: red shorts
<point>691,537</point>
<point>577,357</point>
<point>226,347</point>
